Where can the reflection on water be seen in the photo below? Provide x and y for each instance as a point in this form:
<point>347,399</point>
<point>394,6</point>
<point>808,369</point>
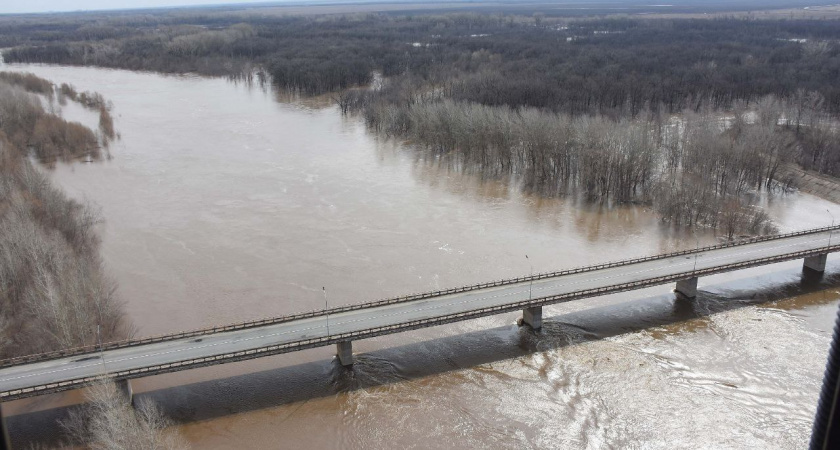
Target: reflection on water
<point>222,204</point>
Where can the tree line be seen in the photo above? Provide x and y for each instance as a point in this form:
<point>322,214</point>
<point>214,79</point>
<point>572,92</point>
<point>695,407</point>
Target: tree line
<point>579,66</point>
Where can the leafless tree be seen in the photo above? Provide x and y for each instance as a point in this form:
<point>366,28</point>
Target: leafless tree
<point>109,422</point>
<point>695,170</point>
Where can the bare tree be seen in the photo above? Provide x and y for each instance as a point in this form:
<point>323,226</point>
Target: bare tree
<point>109,422</point>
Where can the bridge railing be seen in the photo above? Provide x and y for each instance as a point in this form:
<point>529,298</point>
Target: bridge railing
<point>394,328</point>
<point>389,301</point>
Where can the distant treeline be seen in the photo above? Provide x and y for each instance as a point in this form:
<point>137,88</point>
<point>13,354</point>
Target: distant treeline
<point>607,66</point>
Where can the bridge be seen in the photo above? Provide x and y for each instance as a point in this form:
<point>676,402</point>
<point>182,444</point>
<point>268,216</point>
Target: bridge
<point>121,361</point>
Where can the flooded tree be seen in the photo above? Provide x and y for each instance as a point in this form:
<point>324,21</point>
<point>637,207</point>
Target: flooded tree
<point>695,170</point>
<point>29,82</point>
<point>106,124</point>
<point>49,137</point>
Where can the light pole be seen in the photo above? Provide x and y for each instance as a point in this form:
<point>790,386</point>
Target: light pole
<point>531,284</point>
<point>696,249</point>
<point>101,353</point>
<point>326,309</point>
<point>99,336</point>
<point>832,227</point>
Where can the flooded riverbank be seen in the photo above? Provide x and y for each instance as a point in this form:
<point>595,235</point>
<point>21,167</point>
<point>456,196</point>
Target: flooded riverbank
<point>222,204</point>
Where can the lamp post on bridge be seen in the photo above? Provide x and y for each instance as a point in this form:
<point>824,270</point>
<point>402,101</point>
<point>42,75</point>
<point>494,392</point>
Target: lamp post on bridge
<point>101,353</point>
<point>531,277</point>
<point>326,309</point>
<point>696,249</point>
<point>99,335</point>
<point>832,227</point>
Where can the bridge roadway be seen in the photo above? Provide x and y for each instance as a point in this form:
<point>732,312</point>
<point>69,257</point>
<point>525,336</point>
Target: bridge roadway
<point>343,326</point>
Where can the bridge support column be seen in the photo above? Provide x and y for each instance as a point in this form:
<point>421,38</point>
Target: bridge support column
<point>124,386</point>
<point>344,351</point>
<point>532,317</point>
<point>816,263</point>
<point>688,287</point>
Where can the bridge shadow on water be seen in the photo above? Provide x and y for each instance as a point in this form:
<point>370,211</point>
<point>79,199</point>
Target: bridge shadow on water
<point>668,314</point>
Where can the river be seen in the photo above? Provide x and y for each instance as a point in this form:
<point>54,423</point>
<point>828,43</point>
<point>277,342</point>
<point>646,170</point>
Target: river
<point>224,202</point>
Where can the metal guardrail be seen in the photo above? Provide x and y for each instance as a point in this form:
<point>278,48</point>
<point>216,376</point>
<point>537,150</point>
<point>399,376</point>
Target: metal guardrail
<point>400,327</point>
<point>28,359</point>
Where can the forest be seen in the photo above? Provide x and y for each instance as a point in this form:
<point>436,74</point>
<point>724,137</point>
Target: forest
<point>612,66</point>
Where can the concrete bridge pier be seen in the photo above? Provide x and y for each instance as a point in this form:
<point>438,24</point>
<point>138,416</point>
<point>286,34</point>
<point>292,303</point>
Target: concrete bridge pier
<point>344,351</point>
<point>816,263</point>
<point>687,287</point>
<point>532,317</point>
<point>124,386</point>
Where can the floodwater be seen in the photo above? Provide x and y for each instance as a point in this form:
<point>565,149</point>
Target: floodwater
<point>224,202</point>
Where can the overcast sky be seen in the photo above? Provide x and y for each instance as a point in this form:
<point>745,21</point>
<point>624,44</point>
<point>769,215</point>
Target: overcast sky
<point>29,6</point>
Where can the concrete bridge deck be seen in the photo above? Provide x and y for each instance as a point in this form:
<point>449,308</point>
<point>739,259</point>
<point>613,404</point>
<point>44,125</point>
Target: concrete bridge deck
<point>57,371</point>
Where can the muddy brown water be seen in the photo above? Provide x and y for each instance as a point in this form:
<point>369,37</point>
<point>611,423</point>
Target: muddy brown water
<point>224,202</point>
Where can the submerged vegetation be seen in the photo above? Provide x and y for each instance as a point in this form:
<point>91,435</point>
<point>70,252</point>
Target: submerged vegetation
<point>693,168</point>
<point>49,137</point>
<point>27,126</point>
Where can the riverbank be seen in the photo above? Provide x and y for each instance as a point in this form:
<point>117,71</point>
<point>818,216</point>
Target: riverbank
<point>814,183</point>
